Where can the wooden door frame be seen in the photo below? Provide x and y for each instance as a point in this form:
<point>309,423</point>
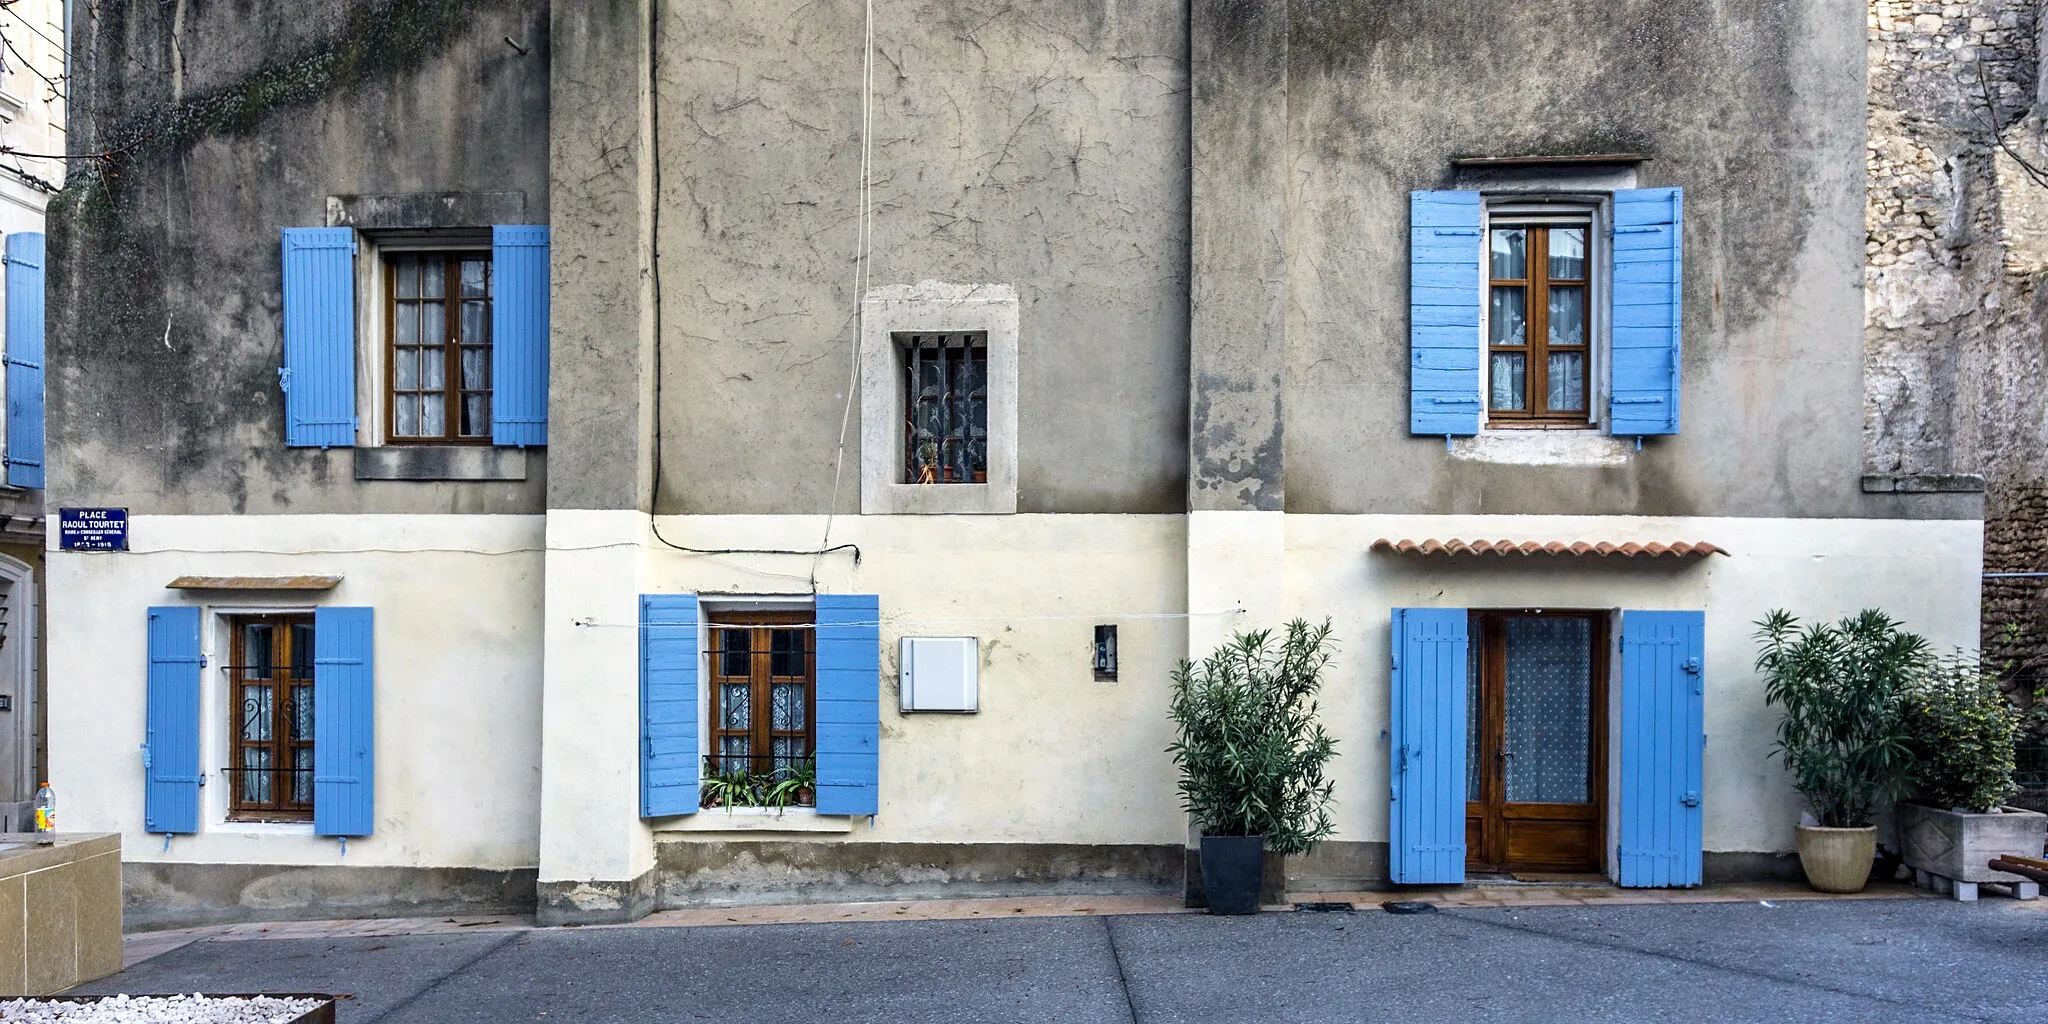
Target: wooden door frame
<point>1486,816</point>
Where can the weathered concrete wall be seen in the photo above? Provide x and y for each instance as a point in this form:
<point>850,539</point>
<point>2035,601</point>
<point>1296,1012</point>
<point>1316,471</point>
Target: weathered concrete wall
<point>1756,109</point>
<point>224,127</point>
<point>1041,145</point>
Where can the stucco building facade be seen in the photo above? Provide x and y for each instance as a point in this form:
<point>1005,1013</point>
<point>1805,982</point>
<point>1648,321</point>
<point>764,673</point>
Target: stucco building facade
<point>812,329</point>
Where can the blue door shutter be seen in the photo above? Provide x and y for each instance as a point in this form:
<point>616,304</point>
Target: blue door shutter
<point>849,703</point>
<point>519,335</point>
<point>170,747</point>
<point>25,359</point>
<point>1643,383</point>
<point>1663,735</point>
<point>1443,313</point>
<point>668,705</point>
<point>319,374</point>
<point>344,722</point>
<point>1426,819</point>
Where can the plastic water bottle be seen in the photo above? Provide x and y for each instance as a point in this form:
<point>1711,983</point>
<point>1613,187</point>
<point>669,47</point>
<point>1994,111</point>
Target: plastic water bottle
<point>46,809</point>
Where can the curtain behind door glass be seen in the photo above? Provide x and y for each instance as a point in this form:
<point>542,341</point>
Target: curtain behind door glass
<point>1549,709</point>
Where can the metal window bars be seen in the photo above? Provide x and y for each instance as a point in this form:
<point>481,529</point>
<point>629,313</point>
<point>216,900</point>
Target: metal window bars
<point>945,436</point>
<point>273,740</point>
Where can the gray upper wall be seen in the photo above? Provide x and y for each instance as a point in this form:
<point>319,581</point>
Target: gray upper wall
<point>228,122</point>
<point>1755,107</point>
<point>1040,145</point>
<point>1211,262</point>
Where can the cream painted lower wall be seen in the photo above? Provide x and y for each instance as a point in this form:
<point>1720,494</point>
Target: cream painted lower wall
<point>1924,572</point>
<point>507,676</point>
<point>458,680</point>
<point>1054,757</point>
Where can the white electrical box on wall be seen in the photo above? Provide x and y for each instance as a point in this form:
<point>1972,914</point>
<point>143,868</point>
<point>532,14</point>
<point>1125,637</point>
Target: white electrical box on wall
<point>939,673</point>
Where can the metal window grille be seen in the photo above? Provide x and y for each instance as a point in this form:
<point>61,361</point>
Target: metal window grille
<point>945,408</point>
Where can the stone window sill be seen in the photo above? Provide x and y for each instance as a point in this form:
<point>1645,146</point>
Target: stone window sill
<point>1573,446</point>
<point>440,462</point>
<point>760,819</point>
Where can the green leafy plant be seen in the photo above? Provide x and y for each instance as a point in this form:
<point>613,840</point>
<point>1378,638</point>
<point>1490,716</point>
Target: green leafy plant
<point>792,785</point>
<point>1843,688</point>
<point>732,788</point>
<point>1250,752</point>
<point>1962,730</point>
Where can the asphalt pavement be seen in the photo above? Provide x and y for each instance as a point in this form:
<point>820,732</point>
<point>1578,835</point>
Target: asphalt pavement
<point>1874,960</point>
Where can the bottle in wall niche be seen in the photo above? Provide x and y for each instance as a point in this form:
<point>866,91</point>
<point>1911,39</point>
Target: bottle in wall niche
<point>46,809</point>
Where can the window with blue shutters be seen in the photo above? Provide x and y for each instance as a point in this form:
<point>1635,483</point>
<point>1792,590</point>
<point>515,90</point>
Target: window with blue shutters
<point>519,336</point>
<point>849,703</point>
<point>1426,744</point>
<point>455,341</point>
<point>1443,312</point>
<point>344,722</point>
<point>25,276</point>
<point>170,746</point>
<point>1551,310</point>
<point>1648,243</point>
<point>319,372</point>
<point>669,665</point>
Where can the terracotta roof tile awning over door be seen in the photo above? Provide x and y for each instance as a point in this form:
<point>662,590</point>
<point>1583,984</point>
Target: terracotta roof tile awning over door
<point>1503,548</point>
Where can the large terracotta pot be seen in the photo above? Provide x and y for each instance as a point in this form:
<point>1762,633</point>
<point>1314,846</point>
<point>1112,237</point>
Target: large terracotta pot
<point>1837,859</point>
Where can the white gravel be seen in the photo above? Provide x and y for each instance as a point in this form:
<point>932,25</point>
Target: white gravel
<point>192,1009</point>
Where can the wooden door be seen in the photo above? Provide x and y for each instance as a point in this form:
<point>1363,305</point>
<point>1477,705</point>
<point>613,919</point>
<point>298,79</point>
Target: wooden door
<point>1536,751</point>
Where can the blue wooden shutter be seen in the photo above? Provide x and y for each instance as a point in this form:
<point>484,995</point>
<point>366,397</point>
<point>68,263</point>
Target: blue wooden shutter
<point>668,705</point>
<point>344,722</point>
<point>170,748</point>
<point>1663,735</point>
<point>1443,312</point>
<point>1643,382</point>
<point>849,703</point>
<point>25,359</point>
<point>519,335</point>
<point>319,374</point>
<point>1426,820</point>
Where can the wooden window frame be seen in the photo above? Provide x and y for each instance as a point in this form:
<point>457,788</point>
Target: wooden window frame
<point>1537,349</point>
<point>283,679</point>
<point>452,392</point>
<point>760,731</point>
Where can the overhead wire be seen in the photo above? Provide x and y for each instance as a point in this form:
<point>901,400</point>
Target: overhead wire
<point>655,298</point>
<point>863,241</point>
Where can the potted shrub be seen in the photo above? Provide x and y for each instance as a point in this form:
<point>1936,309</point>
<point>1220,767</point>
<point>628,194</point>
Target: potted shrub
<point>1842,687</point>
<point>1961,729</point>
<point>1251,756</point>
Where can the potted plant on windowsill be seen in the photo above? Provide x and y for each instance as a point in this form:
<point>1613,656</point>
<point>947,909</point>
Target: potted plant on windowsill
<point>794,786</point>
<point>1843,688</point>
<point>730,789</point>
<point>1962,730</point>
<point>1251,756</point>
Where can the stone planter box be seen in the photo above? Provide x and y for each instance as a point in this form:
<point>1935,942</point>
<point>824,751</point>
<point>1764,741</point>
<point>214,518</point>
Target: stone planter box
<point>1959,846</point>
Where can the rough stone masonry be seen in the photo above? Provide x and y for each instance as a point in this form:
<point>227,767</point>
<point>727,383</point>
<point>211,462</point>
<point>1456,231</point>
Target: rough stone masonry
<point>1957,249</point>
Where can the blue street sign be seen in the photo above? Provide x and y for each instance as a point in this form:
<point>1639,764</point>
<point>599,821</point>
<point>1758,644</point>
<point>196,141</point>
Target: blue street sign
<point>92,529</point>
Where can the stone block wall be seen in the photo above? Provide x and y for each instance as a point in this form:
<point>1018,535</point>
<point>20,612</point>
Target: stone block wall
<point>1957,248</point>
